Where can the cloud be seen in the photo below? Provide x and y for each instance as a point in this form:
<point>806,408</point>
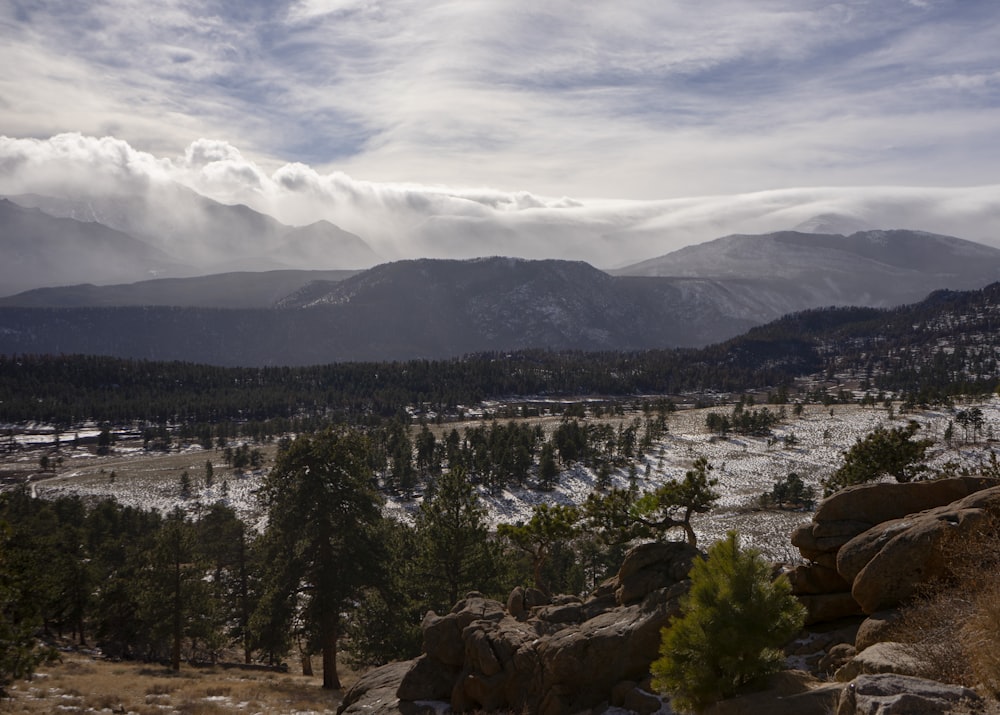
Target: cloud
<point>641,99</point>
<point>412,220</point>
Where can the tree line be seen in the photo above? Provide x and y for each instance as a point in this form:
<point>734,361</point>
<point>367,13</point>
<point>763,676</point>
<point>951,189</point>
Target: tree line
<point>327,569</point>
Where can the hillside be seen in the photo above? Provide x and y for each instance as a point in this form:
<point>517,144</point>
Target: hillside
<point>810,270</point>
<point>404,310</point>
<point>225,290</point>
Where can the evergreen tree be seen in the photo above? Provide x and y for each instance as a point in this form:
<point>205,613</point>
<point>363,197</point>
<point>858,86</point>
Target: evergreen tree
<point>20,619</point>
<point>732,624</point>
<point>883,452</point>
<point>322,516</point>
<point>548,526</point>
<point>453,550</point>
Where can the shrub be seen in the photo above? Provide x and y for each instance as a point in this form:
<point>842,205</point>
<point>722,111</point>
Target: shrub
<point>733,622</point>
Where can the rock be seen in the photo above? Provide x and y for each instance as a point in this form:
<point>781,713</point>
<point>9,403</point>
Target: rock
<point>650,567</point>
<point>567,612</point>
<point>824,607</point>
<point>888,563</point>
<point>582,665</point>
<point>885,657</point>
<point>629,696</point>
<point>476,607</point>
<point>515,604</point>
<point>427,679</point>
<point>375,693</point>
<point>837,657</point>
<point>875,503</point>
<point>875,629</point>
<point>905,695</point>
<point>534,597</point>
<point>815,579</point>
<point>790,692</point>
<point>443,638</point>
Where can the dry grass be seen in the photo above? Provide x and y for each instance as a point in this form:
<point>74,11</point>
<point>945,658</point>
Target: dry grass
<point>79,684</point>
<point>955,626</point>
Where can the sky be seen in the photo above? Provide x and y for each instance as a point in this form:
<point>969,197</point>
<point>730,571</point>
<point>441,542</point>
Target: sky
<point>419,124</point>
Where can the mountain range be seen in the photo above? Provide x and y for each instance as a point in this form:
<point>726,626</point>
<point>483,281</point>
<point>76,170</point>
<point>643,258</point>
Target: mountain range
<point>433,308</point>
<point>168,232</point>
<point>109,274</point>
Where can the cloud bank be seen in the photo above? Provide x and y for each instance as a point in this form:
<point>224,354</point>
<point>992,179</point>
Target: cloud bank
<point>410,220</point>
<point>639,99</point>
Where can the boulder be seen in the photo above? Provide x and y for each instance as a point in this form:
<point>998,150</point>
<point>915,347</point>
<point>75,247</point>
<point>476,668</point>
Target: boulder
<point>884,657</point>
<point>875,629</point>
<point>905,695</point>
<point>826,607</point>
<point>553,656</point>
<point>374,693</point>
<point>427,679</point>
<point>630,696</point>
<point>837,657</point>
<point>443,638</point>
<point>815,579</point>
<point>582,665</point>
<point>515,604</point>
<point>875,503</point>
<point>650,567</point>
<point>888,563</point>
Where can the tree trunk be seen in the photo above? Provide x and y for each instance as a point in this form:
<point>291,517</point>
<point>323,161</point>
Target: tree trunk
<point>331,681</point>
<point>307,664</point>
<point>175,653</point>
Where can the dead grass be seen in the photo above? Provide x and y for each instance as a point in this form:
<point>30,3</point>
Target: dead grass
<point>79,684</point>
<point>955,626</point>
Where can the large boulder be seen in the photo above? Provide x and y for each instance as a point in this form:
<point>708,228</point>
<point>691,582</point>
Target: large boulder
<point>581,666</point>
<point>884,657</point>
<point>650,567</point>
<point>374,693</point>
<point>890,562</point>
<point>906,695</point>
<point>553,656</point>
<point>875,503</point>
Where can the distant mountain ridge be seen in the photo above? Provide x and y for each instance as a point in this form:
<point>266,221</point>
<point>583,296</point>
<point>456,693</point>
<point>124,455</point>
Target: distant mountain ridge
<point>183,233</point>
<point>257,289</point>
<point>874,268</point>
<point>437,308</point>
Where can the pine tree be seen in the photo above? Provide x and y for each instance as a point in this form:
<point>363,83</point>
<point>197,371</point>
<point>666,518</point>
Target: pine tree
<point>452,542</point>
<point>733,622</point>
<point>322,518</point>
<point>548,526</point>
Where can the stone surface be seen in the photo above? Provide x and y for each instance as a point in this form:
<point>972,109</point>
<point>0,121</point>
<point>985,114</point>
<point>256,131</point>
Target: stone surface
<point>876,503</point>
<point>875,629</point>
<point>888,563</point>
<point>905,695</point>
<point>652,566</point>
<point>884,657</point>
<point>825,607</point>
<point>375,694</point>
<point>816,579</point>
<point>427,679</point>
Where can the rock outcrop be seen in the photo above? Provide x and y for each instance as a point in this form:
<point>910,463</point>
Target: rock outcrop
<point>852,527</point>
<point>905,695</point>
<point>547,656</point>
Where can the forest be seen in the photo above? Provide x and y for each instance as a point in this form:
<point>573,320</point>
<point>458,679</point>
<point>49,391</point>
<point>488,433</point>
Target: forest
<point>195,587</point>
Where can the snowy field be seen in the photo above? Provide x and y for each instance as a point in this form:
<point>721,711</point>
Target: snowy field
<point>744,466</point>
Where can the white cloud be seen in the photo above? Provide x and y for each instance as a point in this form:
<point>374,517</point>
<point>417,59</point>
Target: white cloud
<point>412,220</point>
<point>636,99</point>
